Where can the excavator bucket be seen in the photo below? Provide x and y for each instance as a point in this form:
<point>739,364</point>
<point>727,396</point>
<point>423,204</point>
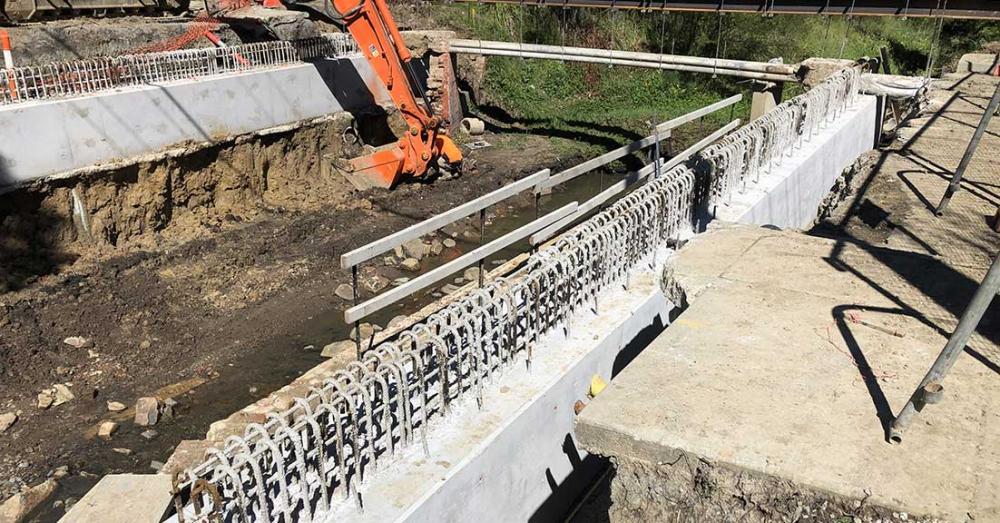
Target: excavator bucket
<point>382,169</point>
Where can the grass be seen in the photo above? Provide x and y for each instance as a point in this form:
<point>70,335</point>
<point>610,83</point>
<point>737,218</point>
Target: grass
<point>621,103</point>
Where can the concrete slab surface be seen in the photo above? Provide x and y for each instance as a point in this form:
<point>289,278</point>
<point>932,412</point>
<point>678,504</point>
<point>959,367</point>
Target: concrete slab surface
<point>123,498</point>
<point>776,369</point>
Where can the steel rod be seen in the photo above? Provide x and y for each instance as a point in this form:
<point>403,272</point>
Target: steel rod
<point>377,247</point>
<point>721,63</point>
<point>956,344</point>
<point>970,150</point>
<point>387,298</point>
<point>634,63</point>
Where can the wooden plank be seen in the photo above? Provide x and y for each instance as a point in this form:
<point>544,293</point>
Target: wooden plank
<point>387,243</point>
<point>385,299</point>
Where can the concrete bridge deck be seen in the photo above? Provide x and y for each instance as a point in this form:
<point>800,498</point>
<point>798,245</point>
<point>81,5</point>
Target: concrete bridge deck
<point>769,398</point>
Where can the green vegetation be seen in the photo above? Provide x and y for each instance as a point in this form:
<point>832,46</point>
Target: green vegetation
<point>621,103</point>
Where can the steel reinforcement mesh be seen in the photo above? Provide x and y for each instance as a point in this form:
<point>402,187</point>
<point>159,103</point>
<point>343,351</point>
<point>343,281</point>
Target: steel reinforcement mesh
<point>78,77</point>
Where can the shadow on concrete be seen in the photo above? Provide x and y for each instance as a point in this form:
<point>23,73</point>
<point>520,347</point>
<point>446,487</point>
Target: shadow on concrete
<point>931,279</point>
<point>569,494</point>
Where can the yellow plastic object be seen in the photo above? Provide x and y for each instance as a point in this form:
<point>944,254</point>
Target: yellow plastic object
<point>597,385</point>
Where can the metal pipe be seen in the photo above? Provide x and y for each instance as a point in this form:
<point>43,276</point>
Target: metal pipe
<point>931,384</point>
<point>633,63</point>
<point>970,150</point>
<point>739,65</point>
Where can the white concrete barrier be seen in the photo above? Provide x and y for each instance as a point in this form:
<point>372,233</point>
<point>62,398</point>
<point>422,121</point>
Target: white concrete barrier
<point>790,194</point>
<point>52,137</point>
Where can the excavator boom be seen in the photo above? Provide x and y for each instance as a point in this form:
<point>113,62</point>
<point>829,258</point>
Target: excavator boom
<point>372,26</point>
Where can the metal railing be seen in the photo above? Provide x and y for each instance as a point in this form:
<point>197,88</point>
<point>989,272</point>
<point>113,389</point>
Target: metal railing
<point>79,77</point>
<point>301,462</point>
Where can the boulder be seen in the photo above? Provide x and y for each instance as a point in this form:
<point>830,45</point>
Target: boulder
<point>115,406</point>
<point>106,430</point>
<point>344,292</point>
<point>61,395</point>
<point>339,347</point>
<point>7,421</point>
<point>410,264</point>
<point>416,249</point>
<point>471,274</point>
<point>45,399</point>
<point>78,342</point>
<point>449,243</point>
<point>436,247</point>
<point>147,411</point>
<point>21,504</point>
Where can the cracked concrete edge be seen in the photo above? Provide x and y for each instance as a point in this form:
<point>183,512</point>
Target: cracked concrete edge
<point>687,497</point>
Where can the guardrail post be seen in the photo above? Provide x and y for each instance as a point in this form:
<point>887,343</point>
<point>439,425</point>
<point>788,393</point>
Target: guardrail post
<point>357,323</point>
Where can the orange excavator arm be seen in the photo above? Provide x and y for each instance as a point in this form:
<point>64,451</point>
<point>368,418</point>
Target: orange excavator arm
<point>372,26</point>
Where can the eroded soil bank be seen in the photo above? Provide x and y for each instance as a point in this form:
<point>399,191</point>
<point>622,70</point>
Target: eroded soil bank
<point>206,277</point>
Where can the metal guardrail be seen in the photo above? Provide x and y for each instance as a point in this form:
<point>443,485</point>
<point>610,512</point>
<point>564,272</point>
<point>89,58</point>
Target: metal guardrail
<point>79,77</point>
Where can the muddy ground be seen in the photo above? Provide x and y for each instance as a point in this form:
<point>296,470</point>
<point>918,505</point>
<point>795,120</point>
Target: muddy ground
<point>215,302</point>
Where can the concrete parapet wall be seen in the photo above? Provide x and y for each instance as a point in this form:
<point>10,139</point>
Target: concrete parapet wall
<point>52,138</point>
<point>791,193</point>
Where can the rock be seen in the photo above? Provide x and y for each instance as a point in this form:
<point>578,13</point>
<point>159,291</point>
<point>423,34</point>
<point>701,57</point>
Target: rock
<point>399,281</point>
<point>45,399</point>
<point>375,283</point>
<point>436,247</point>
<point>115,406</point>
<point>416,249</point>
<point>338,347</point>
<point>106,430</point>
<point>149,434</point>
<point>168,408</point>
<point>123,451</point>
<point>395,322</point>
<point>449,288</point>
<point>61,472</point>
<point>62,394</point>
<point>470,235</point>
<point>449,243</point>
<point>398,251</point>
<point>253,390</point>
<point>7,421</point>
<point>367,329</point>
<point>458,281</point>
<point>410,264</point>
<point>78,342</point>
<point>309,348</point>
<point>471,274</point>
<point>145,344</point>
<point>345,292</point>
<point>21,504</point>
<point>147,411</point>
